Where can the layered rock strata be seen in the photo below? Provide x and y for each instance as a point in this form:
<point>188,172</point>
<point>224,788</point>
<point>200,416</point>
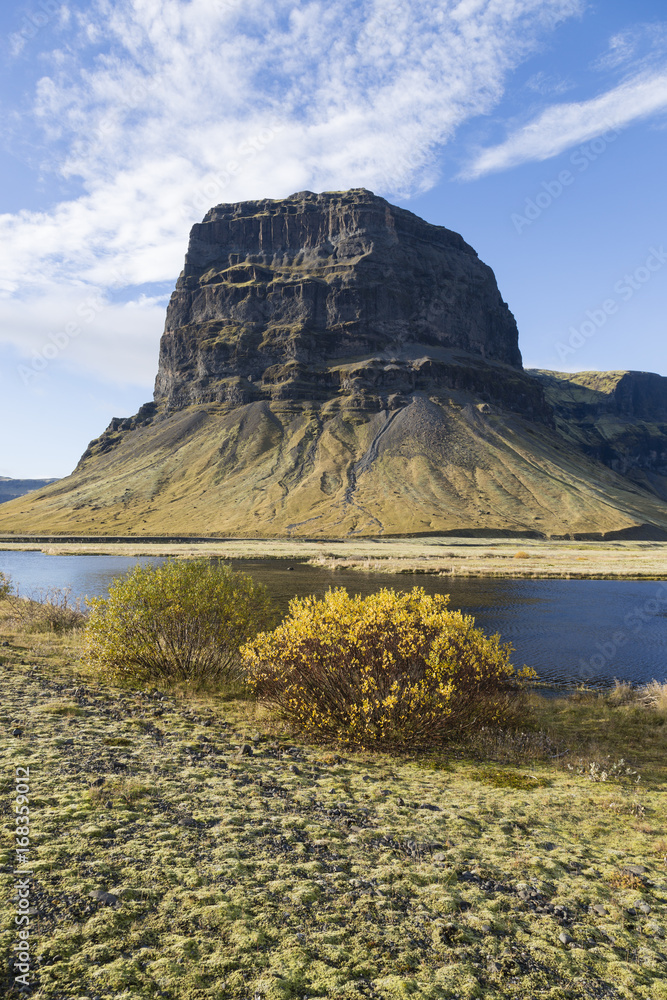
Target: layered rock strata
<point>332,365</point>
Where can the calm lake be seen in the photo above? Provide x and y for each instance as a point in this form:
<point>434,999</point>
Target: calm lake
<point>569,631</point>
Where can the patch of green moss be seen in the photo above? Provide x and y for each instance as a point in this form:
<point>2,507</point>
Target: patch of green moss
<point>502,778</point>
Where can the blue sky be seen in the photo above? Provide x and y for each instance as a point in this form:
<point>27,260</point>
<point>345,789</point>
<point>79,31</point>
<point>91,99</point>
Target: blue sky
<point>535,128</point>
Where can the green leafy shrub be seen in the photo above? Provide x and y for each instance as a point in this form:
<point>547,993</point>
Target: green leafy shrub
<point>177,622</point>
<point>387,670</point>
<point>5,586</point>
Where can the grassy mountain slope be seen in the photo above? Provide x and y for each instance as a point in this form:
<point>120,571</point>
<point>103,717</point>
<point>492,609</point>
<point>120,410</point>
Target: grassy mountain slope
<point>438,463</point>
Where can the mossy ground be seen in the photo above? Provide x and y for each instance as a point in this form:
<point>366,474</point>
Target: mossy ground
<point>299,871</point>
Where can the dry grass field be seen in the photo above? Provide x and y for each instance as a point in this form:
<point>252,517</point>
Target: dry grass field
<point>450,556</point>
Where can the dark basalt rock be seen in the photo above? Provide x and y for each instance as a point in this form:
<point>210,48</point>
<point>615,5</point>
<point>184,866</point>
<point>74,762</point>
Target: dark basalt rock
<point>276,296</point>
<point>334,366</point>
<point>617,418</point>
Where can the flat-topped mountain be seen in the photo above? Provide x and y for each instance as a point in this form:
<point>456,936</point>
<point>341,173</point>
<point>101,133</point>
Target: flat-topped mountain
<point>287,299</point>
<point>334,365</point>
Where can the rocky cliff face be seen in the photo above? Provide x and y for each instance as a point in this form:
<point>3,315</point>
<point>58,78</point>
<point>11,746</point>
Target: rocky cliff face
<point>332,365</point>
<point>618,418</point>
<point>298,299</point>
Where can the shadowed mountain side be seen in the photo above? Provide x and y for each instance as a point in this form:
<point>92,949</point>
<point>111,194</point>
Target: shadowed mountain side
<point>273,469</point>
<point>618,418</point>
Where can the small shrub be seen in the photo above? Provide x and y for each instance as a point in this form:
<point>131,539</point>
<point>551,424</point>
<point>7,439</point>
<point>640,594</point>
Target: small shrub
<point>654,695</point>
<point>52,610</point>
<point>625,880</point>
<point>391,669</point>
<point>5,586</point>
<point>521,555</point>
<point>178,622</point>
<point>622,693</point>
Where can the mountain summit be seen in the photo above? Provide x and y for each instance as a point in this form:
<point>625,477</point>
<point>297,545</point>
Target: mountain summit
<point>333,365</point>
<point>278,297</point>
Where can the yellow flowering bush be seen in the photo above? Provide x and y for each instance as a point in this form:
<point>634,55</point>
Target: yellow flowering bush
<point>393,669</point>
<point>179,621</point>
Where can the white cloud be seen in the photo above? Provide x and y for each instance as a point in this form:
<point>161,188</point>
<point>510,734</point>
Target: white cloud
<point>83,331</point>
<point>565,125</point>
<point>160,108</point>
<point>548,85</point>
<point>635,47</point>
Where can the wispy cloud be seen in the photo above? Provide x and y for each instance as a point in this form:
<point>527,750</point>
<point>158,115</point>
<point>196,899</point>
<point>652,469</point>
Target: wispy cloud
<point>157,111</point>
<point>636,47</point>
<point>565,125</point>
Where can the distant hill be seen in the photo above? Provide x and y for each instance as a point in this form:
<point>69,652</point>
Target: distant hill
<point>334,366</point>
<point>10,489</point>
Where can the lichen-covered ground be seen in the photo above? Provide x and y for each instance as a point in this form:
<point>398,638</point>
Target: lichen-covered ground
<point>288,871</point>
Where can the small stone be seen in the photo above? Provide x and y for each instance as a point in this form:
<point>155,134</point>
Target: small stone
<point>599,909</point>
<point>635,869</point>
<point>494,967</point>
<point>17,732</point>
<point>98,782</point>
<point>644,907</point>
<point>108,804</point>
<point>399,801</point>
<point>245,750</point>
<point>102,896</point>
<point>294,769</point>
<point>565,938</point>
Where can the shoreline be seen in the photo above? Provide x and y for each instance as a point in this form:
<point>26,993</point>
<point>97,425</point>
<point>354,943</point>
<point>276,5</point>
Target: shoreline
<point>500,558</point>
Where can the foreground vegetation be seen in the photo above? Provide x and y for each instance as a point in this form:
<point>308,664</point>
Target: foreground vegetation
<point>387,671</point>
<point>193,848</point>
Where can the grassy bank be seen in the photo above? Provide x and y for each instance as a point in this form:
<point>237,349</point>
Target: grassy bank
<point>190,848</point>
<point>451,557</point>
